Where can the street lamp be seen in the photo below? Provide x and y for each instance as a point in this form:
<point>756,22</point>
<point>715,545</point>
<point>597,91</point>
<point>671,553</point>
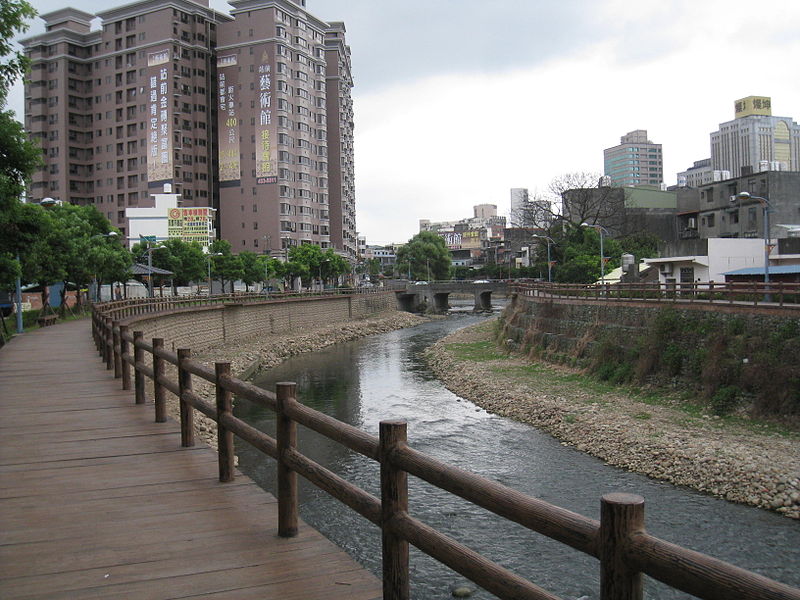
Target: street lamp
<point>600,230</point>
<point>324,260</point>
<point>150,267</point>
<point>767,207</point>
<point>549,262</point>
<point>209,255</point>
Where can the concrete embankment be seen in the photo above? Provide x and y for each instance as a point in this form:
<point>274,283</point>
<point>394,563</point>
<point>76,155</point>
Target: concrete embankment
<point>735,461</point>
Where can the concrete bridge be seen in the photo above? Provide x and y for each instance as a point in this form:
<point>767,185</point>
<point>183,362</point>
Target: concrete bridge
<point>434,297</point>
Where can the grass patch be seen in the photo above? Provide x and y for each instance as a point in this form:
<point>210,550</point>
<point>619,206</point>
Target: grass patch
<point>476,351</point>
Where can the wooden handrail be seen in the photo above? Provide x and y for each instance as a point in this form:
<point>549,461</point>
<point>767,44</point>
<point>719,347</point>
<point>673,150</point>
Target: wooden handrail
<point>618,540</point>
<point>772,295</point>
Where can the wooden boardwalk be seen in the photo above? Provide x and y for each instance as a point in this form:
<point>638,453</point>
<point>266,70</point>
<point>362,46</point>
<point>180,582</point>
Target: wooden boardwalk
<point>99,501</point>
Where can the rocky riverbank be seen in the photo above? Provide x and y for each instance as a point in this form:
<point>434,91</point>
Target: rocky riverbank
<point>730,460</point>
<point>248,356</point>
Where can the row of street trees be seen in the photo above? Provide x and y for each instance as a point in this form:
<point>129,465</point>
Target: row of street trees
<point>76,245</point>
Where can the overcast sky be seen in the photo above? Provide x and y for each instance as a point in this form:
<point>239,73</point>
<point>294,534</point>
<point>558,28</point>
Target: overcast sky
<point>456,102</point>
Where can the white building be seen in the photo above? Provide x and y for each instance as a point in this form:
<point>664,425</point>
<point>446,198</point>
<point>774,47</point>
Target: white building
<point>168,220</point>
<point>701,173</point>
<point>722,255</point>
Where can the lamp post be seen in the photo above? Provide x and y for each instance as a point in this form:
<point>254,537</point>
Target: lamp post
<point>18,298</point>
<point>766,207</point>
<point>549,262</point>
<point>324,260</point>
<point>600,230</point>
<point>209,255</point>
<point>150,267</point>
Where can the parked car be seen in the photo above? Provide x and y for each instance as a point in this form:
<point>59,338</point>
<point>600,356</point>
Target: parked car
<point>481,281</point>
<point>420,283</point>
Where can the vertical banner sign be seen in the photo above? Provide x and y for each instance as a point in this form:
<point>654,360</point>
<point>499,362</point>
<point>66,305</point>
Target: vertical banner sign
<point>266,171</point>
<point>159,138</point>
<point>228,121</point>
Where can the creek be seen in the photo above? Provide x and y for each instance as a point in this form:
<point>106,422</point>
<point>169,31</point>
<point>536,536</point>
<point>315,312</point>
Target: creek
<point>385,377</point>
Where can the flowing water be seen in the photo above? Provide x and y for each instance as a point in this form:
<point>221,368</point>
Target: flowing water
<point>385,377</point>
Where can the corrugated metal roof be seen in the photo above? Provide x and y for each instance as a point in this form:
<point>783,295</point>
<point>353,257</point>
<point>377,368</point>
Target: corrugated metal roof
<point>773,270</point>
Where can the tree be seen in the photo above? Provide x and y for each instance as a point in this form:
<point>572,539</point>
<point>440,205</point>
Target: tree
<point>19,158</point>
<point>252,268</point>
<point>577,253</point>
<point>13,14</point>
<point>317,263</point>
<point>227,266</point>
<point>425,256</point>
<point>72,245</point>
<point>578,198</point>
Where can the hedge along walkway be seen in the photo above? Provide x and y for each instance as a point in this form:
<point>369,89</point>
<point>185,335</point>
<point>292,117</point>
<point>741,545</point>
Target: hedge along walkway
<point>99,501</point>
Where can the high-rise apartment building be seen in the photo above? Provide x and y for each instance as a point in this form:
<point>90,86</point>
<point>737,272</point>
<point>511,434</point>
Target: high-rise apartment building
<point>756,141</point>
<point>635,161</point>
<point>231,110</point>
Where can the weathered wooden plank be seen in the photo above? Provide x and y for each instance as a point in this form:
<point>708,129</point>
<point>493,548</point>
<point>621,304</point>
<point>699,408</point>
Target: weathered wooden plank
<point>98,501</point>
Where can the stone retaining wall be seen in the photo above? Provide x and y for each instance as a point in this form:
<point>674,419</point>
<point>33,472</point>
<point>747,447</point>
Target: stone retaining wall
<point>203,326</point>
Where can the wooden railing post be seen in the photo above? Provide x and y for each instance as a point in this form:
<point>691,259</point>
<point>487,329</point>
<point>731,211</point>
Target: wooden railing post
<point>108,343</point>
<point>186,409</point>
<point>225,451</point>
<point>116,349</point>
<point>124,349</point>
<point>158,389</point>
<point>138,376</point>
<point>621,516</point>
<point>286,437</point>
<point>394,500</point>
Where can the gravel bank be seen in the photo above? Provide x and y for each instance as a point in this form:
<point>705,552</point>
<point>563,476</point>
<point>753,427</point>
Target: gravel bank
<point>731,462</point>
<point>248,356</point>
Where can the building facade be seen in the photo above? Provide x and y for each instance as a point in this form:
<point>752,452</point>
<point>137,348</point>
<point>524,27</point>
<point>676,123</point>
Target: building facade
<point>710,212</point>
<point>230,110</point>
<point>635,161</point>
<point>701,173</point>
<point>755,141</point>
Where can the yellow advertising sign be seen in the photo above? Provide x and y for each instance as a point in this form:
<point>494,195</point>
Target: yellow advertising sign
<point>189,224</point>
<point>753,105</point>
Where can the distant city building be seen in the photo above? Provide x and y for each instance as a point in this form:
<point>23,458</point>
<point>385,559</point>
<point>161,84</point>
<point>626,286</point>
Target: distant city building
<point>701,173</point>
<point>385,255</point>
<point>248,113</point>
<point>485,216</point>
<point>519,200</point>
<point>168,219</point>
<point>635,161</point>
<point>529,213</point>
<point>755,141</point>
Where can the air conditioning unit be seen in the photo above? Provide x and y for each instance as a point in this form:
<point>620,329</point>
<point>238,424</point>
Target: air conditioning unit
<point>665,268</point>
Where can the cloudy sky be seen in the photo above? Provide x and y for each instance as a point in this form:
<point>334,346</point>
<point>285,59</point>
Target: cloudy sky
<point>456,102</point>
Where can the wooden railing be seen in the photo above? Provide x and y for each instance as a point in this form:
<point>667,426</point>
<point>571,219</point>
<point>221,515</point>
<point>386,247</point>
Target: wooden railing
<point>619,540</point>
<point>771,295</point>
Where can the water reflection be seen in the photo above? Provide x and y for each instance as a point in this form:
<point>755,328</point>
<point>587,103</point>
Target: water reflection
<point>384,377</point>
